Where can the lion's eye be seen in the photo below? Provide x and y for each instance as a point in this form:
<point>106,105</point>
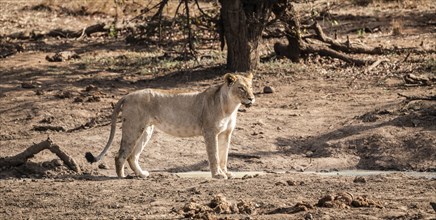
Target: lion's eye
<point>241,89</point>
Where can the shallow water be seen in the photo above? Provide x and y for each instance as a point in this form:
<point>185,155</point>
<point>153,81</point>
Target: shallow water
<point>240,174</point>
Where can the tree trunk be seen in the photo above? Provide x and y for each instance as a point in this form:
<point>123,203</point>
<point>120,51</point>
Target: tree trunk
<point>241,26</point>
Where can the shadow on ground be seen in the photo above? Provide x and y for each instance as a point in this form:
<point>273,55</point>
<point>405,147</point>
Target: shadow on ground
<point>380,139</point>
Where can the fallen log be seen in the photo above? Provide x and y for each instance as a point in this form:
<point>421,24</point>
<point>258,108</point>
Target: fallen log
<point>22,157</point>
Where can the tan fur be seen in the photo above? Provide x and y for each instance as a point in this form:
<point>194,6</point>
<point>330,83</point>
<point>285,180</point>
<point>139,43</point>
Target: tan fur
<point>211,114</point>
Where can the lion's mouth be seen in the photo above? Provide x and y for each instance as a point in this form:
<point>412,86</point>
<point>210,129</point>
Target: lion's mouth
<point>248,102</point>
<point>248,105</point>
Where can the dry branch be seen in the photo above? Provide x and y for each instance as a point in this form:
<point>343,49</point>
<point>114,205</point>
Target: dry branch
<point>60,33</point>
<point>413,98</point>
<point>22,158</point>
<point>412,79</point>
<point>202,11</point>
<point>375,64</point>
<point>92,29</point>
<point>145,11</point>
<point>328,52</point>
<point>346,47</point>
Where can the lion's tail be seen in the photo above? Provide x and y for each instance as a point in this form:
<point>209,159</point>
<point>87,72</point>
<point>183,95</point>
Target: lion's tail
<point>89,157</point>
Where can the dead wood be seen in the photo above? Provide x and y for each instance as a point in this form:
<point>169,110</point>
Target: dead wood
<point>328,52</point>
<point>145,11</point>
<point>87,31</point>
<point>349,47</point>
<point>414,80</point>
<point>22,158</point>
<point>203,12</point>
<point>61,33</point>
<point>346,47</point>
<point>298,46</point>
<point>375,64</point>
<point>413,98</point>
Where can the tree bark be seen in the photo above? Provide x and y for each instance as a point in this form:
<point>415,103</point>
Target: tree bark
<point>241,25</point>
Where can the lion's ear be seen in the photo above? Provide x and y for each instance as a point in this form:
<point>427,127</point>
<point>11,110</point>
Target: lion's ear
<point>249,75</point>
<point>230,78</point>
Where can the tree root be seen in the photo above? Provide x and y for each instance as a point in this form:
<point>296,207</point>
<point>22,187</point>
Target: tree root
<point>22,158</point>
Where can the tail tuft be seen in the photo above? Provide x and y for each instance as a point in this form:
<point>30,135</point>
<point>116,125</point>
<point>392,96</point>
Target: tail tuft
<point>90,158</point>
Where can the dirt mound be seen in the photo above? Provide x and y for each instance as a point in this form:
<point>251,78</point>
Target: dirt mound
<point>299,207</point>
<point>48,169</point>
<point>346,200</point>
<point>218,205</point>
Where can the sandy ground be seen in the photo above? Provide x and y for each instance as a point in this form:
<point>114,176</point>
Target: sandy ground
<point>324,116</point>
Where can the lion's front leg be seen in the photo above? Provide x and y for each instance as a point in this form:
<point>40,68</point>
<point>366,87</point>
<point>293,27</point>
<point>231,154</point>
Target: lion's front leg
<point>223,148</point>
<point>211,140</point>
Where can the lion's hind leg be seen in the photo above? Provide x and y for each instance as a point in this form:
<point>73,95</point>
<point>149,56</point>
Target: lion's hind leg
<point>132,132</point>
<point>134,156</point>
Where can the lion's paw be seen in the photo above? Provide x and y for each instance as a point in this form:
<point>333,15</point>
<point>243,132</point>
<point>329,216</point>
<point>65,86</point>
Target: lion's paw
<point>219,176</point>
<point>230,175</point>
<point>144,174</point>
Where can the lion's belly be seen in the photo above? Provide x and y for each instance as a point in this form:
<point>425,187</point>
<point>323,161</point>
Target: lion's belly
<point>180,130</point>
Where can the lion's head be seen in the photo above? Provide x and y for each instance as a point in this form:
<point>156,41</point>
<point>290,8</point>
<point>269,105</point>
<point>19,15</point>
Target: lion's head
<point>241,87</point>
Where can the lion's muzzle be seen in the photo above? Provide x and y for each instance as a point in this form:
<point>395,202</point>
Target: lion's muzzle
<point>248,103</point>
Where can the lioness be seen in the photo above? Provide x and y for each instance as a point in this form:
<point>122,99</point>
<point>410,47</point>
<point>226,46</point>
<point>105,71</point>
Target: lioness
<point>211,113</point>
